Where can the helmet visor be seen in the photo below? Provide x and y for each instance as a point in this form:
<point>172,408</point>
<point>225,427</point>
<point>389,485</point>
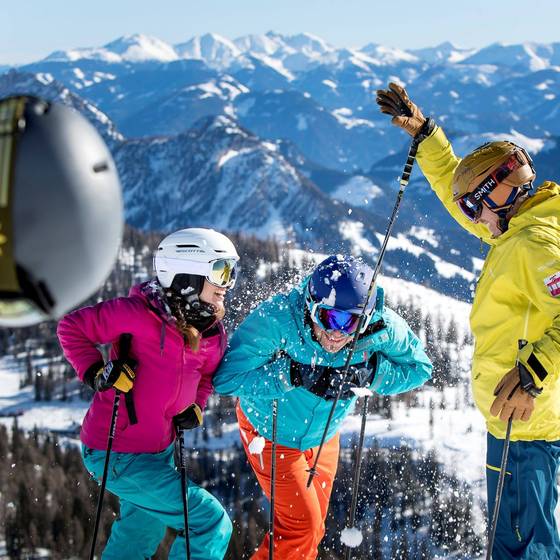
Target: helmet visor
<point>223,273</point>
<point>20,312</point>
<point>331,319</point>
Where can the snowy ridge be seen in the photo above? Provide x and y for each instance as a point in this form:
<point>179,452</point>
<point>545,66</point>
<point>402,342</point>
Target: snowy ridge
<point>315,102</point>
<point>130,48</point>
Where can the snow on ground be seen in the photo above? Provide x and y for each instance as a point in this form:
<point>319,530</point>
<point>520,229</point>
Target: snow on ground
<point>358,191</point>
<point>52,415</point>
<point>458,436</point>
<point>428,300</point>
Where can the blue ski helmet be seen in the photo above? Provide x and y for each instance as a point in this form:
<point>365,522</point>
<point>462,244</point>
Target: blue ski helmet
<point>342,282</point>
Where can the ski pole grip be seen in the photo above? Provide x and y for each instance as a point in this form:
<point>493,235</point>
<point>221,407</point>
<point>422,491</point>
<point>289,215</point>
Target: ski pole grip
<point>125,341</point>
<point>409,163</point>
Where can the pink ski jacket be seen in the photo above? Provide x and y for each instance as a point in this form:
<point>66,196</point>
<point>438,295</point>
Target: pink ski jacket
<point>169,375</point>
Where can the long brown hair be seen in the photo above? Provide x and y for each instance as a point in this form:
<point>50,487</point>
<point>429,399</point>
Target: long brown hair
<point>190,332</point>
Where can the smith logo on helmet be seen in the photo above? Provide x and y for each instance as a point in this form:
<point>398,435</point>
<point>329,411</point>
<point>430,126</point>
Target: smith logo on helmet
<point>190,250</point>
<point>484,189</point>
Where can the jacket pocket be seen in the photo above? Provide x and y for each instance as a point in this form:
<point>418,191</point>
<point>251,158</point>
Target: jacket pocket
<point>94,461</point>
<point>119,463</point>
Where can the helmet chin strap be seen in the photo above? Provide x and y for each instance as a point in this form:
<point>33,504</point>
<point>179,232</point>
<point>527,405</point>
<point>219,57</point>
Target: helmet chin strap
<point>506,214</point>
<point>184,300</point>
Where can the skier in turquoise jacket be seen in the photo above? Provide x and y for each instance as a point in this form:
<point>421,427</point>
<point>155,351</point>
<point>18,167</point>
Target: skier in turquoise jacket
<point>293,348</point>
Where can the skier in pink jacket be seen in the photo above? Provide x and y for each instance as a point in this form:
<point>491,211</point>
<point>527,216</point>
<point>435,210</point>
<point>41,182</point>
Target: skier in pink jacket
<point>177,343</point>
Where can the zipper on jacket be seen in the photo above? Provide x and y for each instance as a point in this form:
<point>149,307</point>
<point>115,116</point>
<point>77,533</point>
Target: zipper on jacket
<point>181,377</point>
<point>162,338</point>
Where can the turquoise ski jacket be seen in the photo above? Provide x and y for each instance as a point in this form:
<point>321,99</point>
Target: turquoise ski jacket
<point>256,367</point>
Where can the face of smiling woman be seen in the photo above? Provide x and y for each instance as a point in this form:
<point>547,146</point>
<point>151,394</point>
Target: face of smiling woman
<point>214,295</point>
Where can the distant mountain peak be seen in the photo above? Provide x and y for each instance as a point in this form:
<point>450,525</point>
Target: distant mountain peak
<point>129,48</point>
<point>213,49</point>
<point>139,47</point>
<point>388,55</point>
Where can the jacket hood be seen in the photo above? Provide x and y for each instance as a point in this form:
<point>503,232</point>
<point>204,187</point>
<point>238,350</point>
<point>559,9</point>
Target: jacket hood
<point>152,294</point>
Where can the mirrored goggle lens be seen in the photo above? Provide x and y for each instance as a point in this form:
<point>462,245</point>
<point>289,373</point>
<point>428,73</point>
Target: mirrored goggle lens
<point>223,273</point>
<point>337,320</point>
<point>20,312</point>
<point>471,210</point>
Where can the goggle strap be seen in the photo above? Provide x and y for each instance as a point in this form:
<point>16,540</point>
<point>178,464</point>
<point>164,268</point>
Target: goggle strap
<point>492,180</point>
<point>11,115</point>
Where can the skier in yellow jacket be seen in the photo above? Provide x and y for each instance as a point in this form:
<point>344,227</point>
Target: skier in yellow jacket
<point>517,298</point>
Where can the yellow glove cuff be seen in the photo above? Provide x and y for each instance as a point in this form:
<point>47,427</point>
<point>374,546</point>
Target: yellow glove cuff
<point>198,413</point>
<point>123,383</point>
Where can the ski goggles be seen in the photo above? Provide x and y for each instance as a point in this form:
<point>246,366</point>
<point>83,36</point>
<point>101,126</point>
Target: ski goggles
<point>332,319</point>
<point>220,272</point>
<point>223,273</point>
<point>23,299</point>
<point>471,203</point>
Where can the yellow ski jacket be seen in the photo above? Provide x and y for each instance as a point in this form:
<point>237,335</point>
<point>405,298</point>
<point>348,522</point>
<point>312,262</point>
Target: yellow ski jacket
<point>517,296</point>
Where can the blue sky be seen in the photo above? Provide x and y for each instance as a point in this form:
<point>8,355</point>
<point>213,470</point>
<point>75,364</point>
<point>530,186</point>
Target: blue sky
<point>31,29</point>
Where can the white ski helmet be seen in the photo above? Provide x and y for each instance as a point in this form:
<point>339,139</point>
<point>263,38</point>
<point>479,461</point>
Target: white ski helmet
<point>199,251</point>
<point>61,216</point>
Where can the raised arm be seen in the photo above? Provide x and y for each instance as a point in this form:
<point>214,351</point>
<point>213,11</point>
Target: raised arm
<point>435,155</point>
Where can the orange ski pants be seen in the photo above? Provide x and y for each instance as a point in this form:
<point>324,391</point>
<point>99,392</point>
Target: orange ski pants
<point>299,512</point>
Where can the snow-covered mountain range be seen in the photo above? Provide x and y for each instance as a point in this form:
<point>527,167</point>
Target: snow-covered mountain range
<point>279,135</point>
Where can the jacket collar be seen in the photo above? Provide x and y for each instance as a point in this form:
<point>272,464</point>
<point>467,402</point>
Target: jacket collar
<point>543,208</point>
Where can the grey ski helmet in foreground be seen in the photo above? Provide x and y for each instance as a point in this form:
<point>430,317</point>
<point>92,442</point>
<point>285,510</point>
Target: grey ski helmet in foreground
<point>61,216</point>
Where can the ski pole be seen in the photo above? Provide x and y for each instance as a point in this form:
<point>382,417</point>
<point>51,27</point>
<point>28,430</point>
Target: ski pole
<point>403,183</point>
<point>272,480</point>
<point>124,349</point>
<point>184,491</point>
<point>499,490</point>
<point>356,479</point>
<point>501,479</point>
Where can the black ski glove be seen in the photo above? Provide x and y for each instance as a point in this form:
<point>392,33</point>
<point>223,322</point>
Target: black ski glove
<point>189,419</point>
<point>118,374</point>
<point>324,381</point>
<point>179,451</point>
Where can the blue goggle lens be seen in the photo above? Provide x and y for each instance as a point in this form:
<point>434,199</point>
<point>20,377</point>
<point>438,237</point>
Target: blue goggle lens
<point>337,320</point>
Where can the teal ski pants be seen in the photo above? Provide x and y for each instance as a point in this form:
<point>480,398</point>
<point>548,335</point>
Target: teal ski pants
<point>526,528</point>
<point>149,489</point>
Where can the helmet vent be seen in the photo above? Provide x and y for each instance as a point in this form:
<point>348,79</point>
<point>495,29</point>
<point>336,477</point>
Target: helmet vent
<point>186,246</point>
<point>100,167</point>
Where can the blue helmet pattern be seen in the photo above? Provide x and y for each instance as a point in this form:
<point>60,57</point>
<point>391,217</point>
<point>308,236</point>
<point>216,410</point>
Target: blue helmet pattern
<point>342,282</point>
